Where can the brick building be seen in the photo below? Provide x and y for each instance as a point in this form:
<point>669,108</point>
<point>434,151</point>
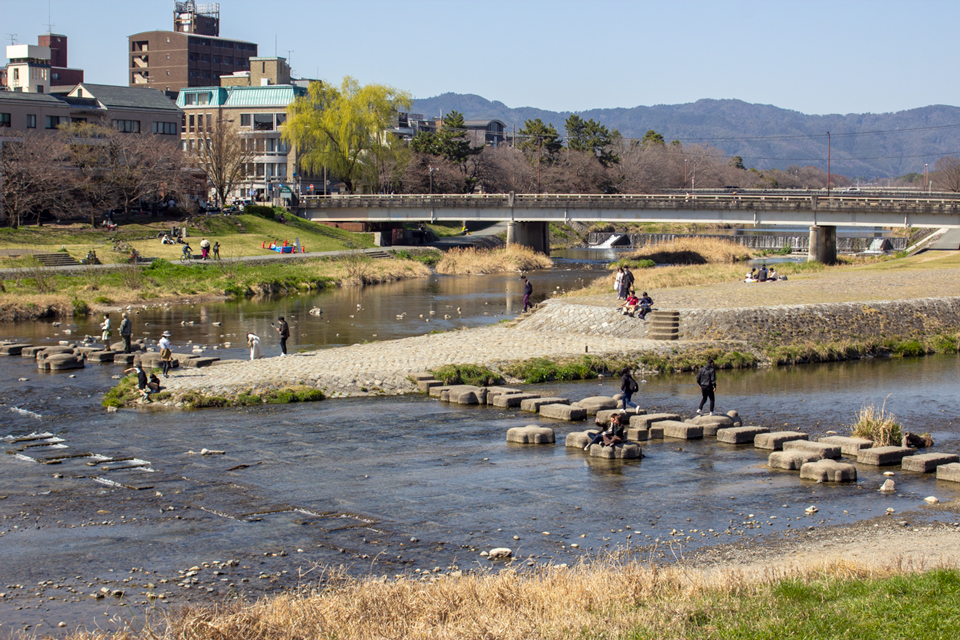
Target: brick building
<point>192,55</point>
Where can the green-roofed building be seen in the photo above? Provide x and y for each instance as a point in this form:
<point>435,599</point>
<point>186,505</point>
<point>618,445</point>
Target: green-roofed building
<point>253,103</point>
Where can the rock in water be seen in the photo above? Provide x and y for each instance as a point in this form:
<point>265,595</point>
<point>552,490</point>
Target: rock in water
<point>888,486</point>
<point>500,553</point>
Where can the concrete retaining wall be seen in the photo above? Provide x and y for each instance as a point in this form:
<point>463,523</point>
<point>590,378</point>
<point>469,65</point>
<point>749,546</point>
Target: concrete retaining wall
<point>800,243</point>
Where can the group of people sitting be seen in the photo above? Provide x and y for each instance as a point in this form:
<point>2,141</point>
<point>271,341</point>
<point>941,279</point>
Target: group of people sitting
<point>763,275</point>
<point>146,385</point>
<point>633,305</point>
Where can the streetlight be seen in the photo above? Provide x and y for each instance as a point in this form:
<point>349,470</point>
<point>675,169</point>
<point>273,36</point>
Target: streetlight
<point>684,173</point>
<point>926,177</point>
<point>431,180</point>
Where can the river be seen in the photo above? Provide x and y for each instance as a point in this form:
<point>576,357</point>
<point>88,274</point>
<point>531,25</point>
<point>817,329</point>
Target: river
<point>395,485</point>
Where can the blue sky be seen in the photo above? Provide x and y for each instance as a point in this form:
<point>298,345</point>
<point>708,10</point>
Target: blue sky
<point>839,56</point>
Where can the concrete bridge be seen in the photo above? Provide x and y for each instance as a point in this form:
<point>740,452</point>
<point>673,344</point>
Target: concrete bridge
<point>529,215</point>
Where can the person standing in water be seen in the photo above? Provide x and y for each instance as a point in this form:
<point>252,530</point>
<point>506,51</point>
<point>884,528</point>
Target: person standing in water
<point>527,292</point>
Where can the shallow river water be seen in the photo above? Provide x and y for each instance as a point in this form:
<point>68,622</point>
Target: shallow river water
<point>394,485</point>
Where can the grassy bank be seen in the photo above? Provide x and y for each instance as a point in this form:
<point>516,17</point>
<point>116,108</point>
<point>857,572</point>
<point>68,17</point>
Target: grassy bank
<point>238,235</point>
<point>35,293</point>
<point>125,394</point>
<point>479,261</point>
<point>602,600</point>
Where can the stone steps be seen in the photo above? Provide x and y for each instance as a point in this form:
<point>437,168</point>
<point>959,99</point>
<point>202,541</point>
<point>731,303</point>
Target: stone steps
<point>58,259</point>
<point>523,316</point>
<point>664,325</point>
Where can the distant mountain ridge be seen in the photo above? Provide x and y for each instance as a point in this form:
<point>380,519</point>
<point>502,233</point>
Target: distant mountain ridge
<point>761,134</point>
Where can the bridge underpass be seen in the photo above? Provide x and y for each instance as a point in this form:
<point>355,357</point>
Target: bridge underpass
<point>528,215</point>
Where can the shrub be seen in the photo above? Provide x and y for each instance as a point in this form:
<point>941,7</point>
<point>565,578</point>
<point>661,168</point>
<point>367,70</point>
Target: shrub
<point>80,308</point>
<point>466,374</point>
<point>877,425</point>
<point>103,300</point>
<point>258,210</point>
<point>910,349</point>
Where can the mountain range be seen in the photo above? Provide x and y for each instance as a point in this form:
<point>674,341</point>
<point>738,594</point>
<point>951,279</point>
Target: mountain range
<point>863,145</point>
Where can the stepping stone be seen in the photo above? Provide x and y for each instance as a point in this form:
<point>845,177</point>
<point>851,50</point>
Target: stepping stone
<point>655,432</point>
<point>60,362</point>
<point>680,430</point>
<point>101,356</point>
<point>830,451</point>
<point>638,434</point>
<point>774,441</point>
<point>426,385</point>
<point>949,472</point>
<point>884,456</point>
<point>569,412</point>
<point>151,360</point>
<point>125,359</point>
<point>791,460</point>
<point>493,392</point>
<point>464,394</point>
<point>646,420</point>
<point>710,429</point>
<point>513,399</point>
<point>927,462</point>
<point>422,376</point>
<point>848,446</point>
<point>579,439</point>
<point>603,417</point>
<point>829,471</point>
<point>135,345</point>
<point>453,391</point>
<point>199,362</point>
<point>436,391</point>
<point>531,434</point>
<point>740,435</point>
<point>623,451</point>
<point>46,352</point>
<point>724,422</point>
<point>30,352</point>
<point>534,404</point>
<point>593,404</point>
<point>14,349</point>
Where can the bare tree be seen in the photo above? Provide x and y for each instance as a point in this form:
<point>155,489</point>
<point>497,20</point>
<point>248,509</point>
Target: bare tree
<point>32,177</point>
<point>223,155</point>
<point>947,174</point>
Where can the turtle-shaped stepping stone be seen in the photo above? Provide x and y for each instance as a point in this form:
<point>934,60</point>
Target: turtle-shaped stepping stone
<point>531,434</point>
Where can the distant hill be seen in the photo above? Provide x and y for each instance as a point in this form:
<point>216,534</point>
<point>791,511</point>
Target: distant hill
<point>734,127</point>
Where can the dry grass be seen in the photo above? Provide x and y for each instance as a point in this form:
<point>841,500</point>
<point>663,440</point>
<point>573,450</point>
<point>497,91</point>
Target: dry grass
<point>477,261</point>
<point>358,269</point>
<point>608,599</point>
<point>694,251</point>
<point>877,425</point>
<point>667,278</point>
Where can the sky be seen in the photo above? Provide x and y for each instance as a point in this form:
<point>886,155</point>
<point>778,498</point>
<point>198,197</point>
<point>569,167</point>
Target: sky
<point>812,56</point>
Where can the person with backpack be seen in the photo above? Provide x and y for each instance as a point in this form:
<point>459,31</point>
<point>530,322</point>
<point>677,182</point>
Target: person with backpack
<point>707,379</point>
<point>628,387</point>
<point>126,332</point>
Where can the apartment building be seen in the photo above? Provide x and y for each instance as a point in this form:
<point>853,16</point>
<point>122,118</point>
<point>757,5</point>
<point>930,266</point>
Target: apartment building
<point>192,55</point>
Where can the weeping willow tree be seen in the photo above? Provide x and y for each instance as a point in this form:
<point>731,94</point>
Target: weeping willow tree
<point>344,130</point>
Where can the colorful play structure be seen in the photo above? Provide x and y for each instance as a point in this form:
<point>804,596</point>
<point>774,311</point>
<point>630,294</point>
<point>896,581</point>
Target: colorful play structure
<point>286,247</point>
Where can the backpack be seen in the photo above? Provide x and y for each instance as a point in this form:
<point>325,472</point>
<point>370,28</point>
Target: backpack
<point>632,385</point>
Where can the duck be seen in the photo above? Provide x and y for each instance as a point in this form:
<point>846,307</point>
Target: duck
<point>316,311</point>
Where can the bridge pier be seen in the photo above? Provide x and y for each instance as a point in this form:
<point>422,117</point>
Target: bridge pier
<point>535,235</point>
<point>823,244</point>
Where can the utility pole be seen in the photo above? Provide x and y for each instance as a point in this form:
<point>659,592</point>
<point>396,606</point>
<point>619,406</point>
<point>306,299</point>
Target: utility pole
<point>431,180</point>
<point>828,164</point>
<point>539,156</point>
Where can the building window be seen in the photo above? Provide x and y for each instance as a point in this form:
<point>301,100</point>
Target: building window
<point>204,98</point>
<point>56,75</point>
<point>191,121</point>
<point>204,74</point>
<point>216,59</point>
<point>204,58</point>
<point>228,60</point>
<point>31,121</point>
<point>4,119</point>
<point>77,120</point>
<point>52,122</point>
<point>281,118</point>
<point>189,98</point>
<point>245,119</point>
<point>263,122</point>
<point>282,170</point>
<point>165,128</point>
<point>39,88</point>
<point>16,74</point>
<point>127,126</point>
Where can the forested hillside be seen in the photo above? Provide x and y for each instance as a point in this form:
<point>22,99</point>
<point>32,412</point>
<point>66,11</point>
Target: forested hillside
<point>863,145</point>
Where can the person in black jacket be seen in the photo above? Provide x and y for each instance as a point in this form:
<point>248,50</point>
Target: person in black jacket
<point>126,332</point>
<point>527,292</point>
<point>284,331</point>
<point>628,387</point>
<point>707,379</point>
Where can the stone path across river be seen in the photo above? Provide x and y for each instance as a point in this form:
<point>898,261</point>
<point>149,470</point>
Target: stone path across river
<point>383,367</point>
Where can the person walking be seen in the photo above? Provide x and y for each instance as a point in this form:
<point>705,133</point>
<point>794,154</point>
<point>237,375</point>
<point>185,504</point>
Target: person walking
<point>126,332</point>
<point>527,292</point>
<point>707,379</point>
<point>618,281</point>
<point>284,331</point>
<point>626,283</point>
<point>166,354</point>
<point>216,250</point>
<point>204,249</point>
<point>628,387</point>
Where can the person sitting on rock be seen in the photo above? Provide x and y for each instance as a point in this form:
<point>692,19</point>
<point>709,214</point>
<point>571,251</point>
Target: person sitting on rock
<point>630,305</point>
<point>646,304</point>
<point>612,435</point>
<point>154,384</point>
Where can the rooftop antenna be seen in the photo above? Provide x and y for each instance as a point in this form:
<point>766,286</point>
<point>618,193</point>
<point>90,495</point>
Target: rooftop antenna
<point>289,51</point>
<point>13,38</point>
<point>50,24</point>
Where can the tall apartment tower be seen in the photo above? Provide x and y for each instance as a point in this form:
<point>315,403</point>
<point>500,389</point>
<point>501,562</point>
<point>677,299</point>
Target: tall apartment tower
<point>192,55</point>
